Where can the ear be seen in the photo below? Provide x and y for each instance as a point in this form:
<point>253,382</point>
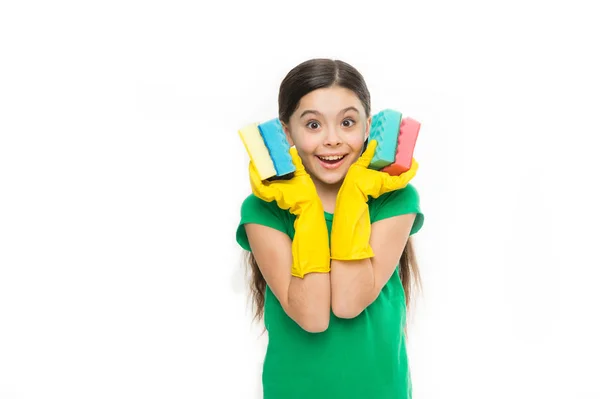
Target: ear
<point>288,135</point>
<point>368,129</point>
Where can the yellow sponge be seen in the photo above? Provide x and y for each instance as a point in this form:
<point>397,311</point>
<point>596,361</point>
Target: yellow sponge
<point>257,150</point>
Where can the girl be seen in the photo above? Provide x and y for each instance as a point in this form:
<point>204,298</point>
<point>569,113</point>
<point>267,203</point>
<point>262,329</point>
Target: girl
<point>330,249</point>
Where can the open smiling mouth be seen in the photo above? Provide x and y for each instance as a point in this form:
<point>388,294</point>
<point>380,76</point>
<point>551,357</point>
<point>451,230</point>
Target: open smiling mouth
<point>331,161</point>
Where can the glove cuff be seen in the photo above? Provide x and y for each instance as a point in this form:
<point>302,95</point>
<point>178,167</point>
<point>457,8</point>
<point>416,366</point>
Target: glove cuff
<point>310,246</point>
<point>351,231</point>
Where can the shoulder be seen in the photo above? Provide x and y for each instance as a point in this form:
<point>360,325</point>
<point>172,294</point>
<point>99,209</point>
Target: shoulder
<point>257,211</point>
<point>396,203</point>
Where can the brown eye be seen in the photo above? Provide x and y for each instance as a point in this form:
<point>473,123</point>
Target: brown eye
<point>312,125</point>
<point>348,120</point>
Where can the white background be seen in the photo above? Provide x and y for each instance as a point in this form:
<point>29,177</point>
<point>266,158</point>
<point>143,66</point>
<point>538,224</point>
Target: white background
<point>121,178</point>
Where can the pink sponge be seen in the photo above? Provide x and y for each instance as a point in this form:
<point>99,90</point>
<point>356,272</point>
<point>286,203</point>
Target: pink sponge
<point>409,131</point>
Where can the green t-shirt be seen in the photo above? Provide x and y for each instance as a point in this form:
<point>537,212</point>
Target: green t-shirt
<point>364,357</point>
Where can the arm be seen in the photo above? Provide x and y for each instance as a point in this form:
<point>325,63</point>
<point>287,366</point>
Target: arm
<point>305,300</point>
<point>364,256</point>
<point>355,284</point>
<point>296,271</point>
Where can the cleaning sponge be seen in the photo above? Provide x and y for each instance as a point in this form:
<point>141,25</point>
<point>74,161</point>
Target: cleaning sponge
<point>268,149</point>
<point>279,149</point>
<point>409,131</point>
<point>258,152</point>
<point>385,128</point>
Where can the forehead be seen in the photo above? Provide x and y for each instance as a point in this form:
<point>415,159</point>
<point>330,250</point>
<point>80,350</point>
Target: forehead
<point>329,101</point>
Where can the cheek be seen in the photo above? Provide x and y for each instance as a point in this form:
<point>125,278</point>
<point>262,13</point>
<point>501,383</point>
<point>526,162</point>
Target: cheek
<point>356,143</point>
<point>306,144</point>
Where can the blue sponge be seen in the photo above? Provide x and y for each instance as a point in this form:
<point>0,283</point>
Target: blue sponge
<point>279,149</point>
<point>385,128</point>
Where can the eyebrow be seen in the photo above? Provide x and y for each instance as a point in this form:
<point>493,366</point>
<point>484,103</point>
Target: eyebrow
<point>310,111</point>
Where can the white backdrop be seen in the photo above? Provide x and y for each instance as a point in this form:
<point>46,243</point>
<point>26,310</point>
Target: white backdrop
<point>121,178</point>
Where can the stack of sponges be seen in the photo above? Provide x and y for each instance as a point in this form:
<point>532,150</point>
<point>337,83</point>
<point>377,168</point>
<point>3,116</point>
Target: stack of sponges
<point>268,149</point>
<point>396,138</point>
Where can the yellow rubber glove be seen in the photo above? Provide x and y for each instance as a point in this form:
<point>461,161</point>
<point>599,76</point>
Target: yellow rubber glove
<point>310,246</point>
<point>351,228</point>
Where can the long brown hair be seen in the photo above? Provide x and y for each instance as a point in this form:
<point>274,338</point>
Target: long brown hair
<point>301,80</point>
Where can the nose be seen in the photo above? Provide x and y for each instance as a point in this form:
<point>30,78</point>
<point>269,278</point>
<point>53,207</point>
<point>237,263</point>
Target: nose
<point>332,137</point>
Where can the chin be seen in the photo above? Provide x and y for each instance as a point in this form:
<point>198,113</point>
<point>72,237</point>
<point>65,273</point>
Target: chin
<point>331,180</point>
<point>331,177</point>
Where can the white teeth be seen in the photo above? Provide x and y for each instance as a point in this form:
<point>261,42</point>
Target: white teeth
<point>332,158</point>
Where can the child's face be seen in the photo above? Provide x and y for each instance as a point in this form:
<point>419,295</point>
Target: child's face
<point>329,122</point>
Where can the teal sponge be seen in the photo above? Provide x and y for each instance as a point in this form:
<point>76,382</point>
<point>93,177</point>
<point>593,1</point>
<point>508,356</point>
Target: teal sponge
<point>279,149</point>
<point>385,128</point>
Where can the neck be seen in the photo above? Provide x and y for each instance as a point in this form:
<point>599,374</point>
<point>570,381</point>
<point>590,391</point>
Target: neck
<point>328,194</point>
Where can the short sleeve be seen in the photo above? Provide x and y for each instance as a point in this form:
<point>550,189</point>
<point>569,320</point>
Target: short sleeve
<point>255,210</point>
<point>398,202</point>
